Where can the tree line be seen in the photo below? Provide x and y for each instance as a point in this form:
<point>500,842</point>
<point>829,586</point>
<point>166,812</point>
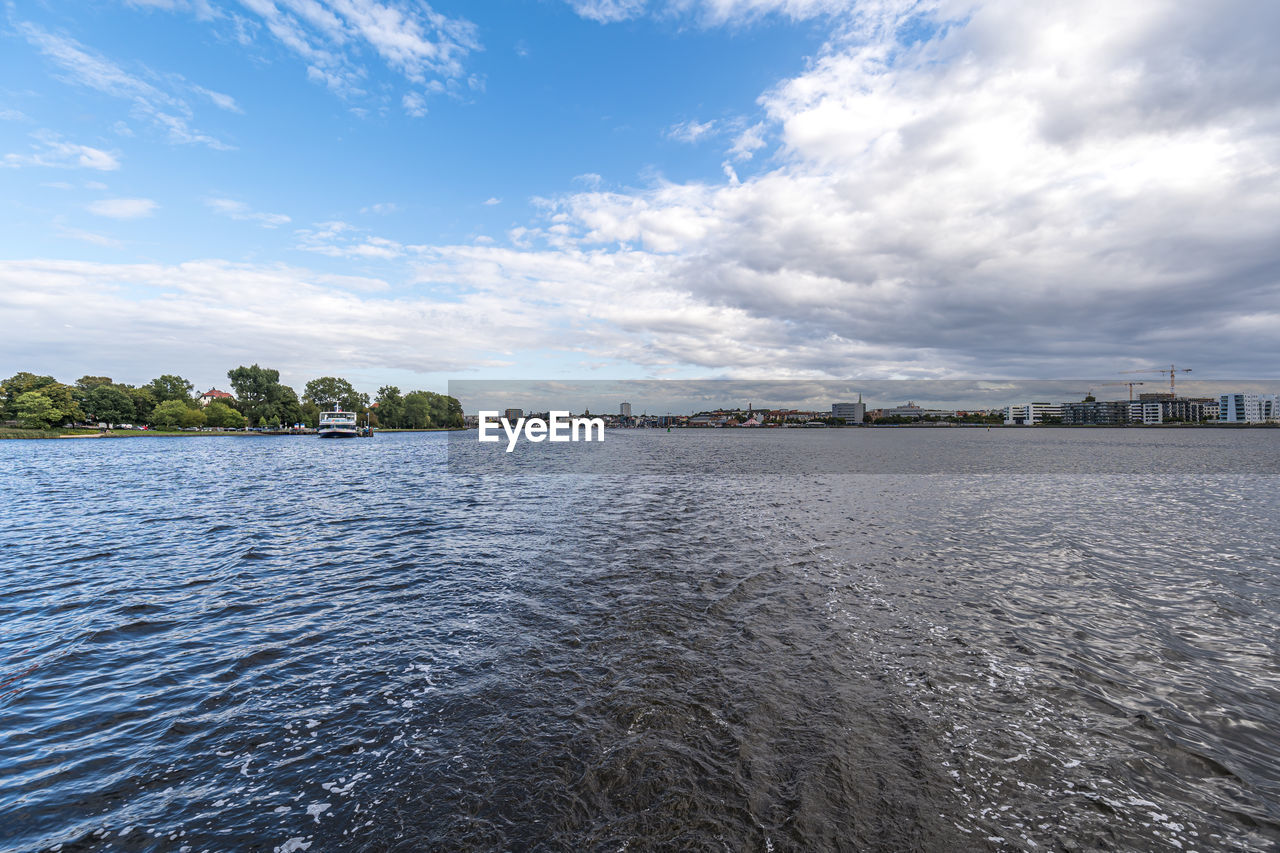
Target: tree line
<point>168,402</point>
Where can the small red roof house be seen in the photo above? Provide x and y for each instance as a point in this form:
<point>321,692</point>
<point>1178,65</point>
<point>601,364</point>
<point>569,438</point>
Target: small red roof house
<point>213,394</point>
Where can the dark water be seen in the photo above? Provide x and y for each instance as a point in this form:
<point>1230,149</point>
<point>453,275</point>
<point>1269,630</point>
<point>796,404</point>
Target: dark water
<point>290,644</point>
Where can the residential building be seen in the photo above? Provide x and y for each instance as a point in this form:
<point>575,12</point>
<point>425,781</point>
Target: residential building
<point>214,395</point>
<point>624,410</point>
<point>1248,408</point>
<point>1146,412</point>
<point>1095,413</point>
<point>1029,414</point>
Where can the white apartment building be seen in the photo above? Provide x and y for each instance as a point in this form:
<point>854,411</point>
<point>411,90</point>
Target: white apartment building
<point>1149,412</point>
<point>1248,408</point>
<point>624,410</point>
<point>1029,414</point>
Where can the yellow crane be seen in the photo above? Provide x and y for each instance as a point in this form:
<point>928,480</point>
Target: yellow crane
<point>1171,371</point>
<point>1130,384</point>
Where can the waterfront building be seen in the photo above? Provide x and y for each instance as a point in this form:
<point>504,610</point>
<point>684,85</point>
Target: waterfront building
<point>624,410</point>
<point>1029,414</point>
<point>850,413</point>
<point>513,415</point>
<point>1248,408</point>
<point>1146,412</point>
<point>1095,413</point>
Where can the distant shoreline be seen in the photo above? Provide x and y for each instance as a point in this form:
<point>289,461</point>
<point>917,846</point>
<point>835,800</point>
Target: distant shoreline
<point>80,433</point>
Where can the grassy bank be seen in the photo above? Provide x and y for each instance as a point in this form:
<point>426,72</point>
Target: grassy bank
<point>43,433</point>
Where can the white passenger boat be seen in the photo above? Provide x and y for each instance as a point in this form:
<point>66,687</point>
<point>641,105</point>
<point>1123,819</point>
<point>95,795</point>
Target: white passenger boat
<point>338,424</point>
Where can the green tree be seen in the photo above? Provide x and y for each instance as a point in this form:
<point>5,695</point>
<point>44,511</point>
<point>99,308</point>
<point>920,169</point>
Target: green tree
<point>57,393</point>
<point>143,403</point>
<point>390,407</point>
<point>264,400</point>
<point>168,414</point>
<point>110,404</point>
<point>417,410</point>
<point>194,416</point>
<point>170,387</point>
<point>222,416</point>
<point>36,411</point>
<point>329,391</point>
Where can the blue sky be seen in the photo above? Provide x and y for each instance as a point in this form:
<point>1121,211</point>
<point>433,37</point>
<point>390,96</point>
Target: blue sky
<point>405,192</point>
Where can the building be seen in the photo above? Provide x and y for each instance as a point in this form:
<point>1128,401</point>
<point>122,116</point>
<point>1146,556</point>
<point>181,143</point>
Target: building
<point>1029,414</point>
<point>513,415</point>
<point>1146,412</point>
<point>624,410</point>
<point>214,395</point>
<point>1096,413</point>
<point>1248,408</point>
<point>850,413</point>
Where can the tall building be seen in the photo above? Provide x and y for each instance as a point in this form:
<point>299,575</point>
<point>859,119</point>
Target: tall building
<point>851,413</point>
<point>1248,408</point>
<point>624,410</point>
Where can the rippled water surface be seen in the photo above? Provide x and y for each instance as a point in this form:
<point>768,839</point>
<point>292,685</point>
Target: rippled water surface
<point>292,644</point>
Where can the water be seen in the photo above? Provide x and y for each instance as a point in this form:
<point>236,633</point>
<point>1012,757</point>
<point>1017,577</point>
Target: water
<point>291,644</point>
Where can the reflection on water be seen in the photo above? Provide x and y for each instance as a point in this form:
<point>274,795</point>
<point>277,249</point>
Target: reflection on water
<point>297,644</point>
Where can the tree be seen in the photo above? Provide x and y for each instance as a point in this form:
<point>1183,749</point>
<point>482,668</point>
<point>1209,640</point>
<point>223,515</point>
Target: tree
<point>88,383</point>
<point>143,403</point>
<point>194,416</point>
<point>170,387</point>
<point>57,393</point>
<point>110,404</point>
<point>328,391</point>
<point>222,416</point>
<point>36,411</point>
<point>168,414</point>
<point>264,399</point>
<point>390,407</point>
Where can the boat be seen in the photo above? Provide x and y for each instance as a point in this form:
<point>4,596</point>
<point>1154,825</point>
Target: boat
<point>338,424</point>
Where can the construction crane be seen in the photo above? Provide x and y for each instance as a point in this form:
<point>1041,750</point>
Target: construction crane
<point>1171,371</point>
<point>1130,384</point>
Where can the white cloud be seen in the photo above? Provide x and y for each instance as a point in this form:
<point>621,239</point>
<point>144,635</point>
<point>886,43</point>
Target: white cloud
<point>414,104</point>
<point>12,115</point>
<point>382,208</point>
<point>492,200</point>
<point>122,208</point>
<point>711,12</point>
<point>340,240</point>
<point>240,211</point>
<point>748,142</point>
<point>221,100</point>
<point>52,151</point>
<point>690,131</point>
<point>81,66</point>
<point>335,37</point>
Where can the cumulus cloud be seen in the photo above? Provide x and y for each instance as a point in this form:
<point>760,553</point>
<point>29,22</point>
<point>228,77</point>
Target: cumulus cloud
<point>276,315</point>
<point>998,189</point>
<point>1062,188</point>
<point>122,208</point>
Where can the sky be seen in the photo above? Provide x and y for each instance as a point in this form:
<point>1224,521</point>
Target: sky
<point>410,193</point>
